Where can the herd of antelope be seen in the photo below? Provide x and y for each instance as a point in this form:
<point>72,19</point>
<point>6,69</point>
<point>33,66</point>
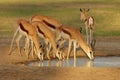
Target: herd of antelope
<point>54,34</point>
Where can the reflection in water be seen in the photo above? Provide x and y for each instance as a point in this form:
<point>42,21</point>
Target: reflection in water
<point>40,64</point>
<point>68,63</point>
<point>89,63</point>
<point>82,62</point>
<point>59,64</point>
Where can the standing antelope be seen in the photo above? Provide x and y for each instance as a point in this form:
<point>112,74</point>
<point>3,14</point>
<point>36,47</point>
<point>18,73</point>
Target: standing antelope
<point>48,36</point>
<point>89,25</point>
<point>76,38</point>
<point>26,29</point>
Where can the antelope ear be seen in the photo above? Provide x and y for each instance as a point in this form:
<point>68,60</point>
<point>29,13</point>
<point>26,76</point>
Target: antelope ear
<point>87,10</point>
<point>80,10</point>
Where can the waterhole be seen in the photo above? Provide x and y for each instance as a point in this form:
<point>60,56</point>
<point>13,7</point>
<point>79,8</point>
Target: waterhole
<point>82,62</point>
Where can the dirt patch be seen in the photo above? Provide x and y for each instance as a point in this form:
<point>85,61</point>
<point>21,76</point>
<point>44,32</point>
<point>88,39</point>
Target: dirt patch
<point>57,73</point>
<point>9,70</point>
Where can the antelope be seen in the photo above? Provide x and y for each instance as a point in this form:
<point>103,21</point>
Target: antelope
<point>52,23</point>
<point>74,36</point>
<point>89,25</point>
<point>48,36</point>
<point>47,20</point>
<point>25,28</point>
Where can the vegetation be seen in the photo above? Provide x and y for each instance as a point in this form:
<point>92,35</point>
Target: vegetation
<point>106,13</point>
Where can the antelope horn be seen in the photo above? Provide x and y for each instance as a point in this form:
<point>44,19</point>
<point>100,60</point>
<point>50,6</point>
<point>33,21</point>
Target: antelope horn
<point>80,9</point>
<point>87,10</point>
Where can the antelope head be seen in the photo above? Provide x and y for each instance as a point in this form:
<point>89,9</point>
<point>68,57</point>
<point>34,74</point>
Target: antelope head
<point>83,13</point>
<point>59,54</point>
<point>92,49</point>
<point>90,54</point>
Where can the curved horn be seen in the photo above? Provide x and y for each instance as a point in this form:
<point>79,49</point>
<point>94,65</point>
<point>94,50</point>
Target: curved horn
<point>87,10</point>
<point>80,9</point>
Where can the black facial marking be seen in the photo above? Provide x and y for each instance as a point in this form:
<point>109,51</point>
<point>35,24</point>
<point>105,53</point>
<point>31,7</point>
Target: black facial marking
<point>80,9</point>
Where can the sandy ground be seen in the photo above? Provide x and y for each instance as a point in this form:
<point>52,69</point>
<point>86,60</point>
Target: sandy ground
<point>10,70</point>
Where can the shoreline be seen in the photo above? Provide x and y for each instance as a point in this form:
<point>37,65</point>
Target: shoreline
<point>11,70</point>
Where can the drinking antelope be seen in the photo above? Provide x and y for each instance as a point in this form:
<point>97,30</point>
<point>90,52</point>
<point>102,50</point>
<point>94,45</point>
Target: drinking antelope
<point>76,38</point>
<point>48,36</point>
<point>26,29</point>
<point>52,23</point>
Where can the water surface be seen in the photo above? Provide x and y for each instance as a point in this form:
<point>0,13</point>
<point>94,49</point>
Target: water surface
<point>85,62</point>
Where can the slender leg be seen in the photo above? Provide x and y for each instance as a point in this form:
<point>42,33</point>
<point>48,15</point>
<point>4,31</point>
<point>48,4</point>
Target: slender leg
<point>69,48</point>
<point>47,44</point>
<point>74,44</point>
<point>91,36</point>
<point>75,63</point>
<point>87,37</point>
<point>27,46</point>
<point>49,50</point>
<point>13,42</point>
<point>18,43</point>
<point>63,55</point>
<point>32,49</point>
<point>32,45</point>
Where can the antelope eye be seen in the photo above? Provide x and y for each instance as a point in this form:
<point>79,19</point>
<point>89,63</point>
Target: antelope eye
<point>90,52</point>
<point>57,45</point>
<point>40,53</point>
<point>58,53</point>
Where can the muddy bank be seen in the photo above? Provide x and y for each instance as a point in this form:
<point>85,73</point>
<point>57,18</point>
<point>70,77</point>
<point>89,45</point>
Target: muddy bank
<point>18,72</point>
<point>9,70</point>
